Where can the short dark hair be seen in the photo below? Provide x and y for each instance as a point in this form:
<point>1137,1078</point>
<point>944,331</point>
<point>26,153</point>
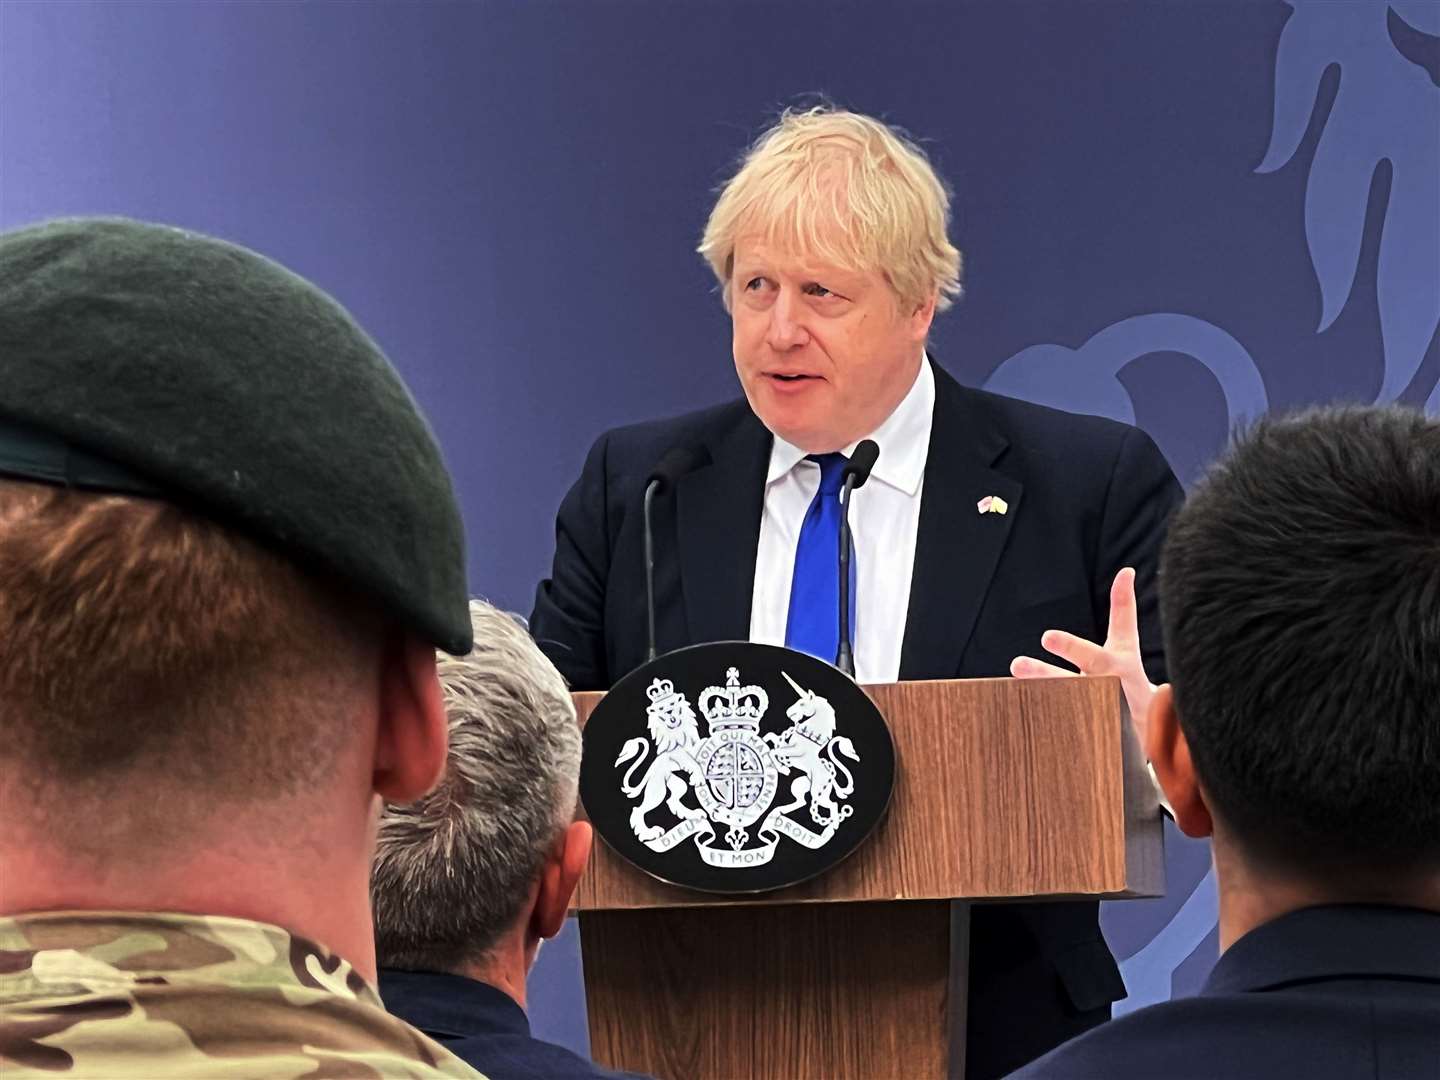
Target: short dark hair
<point>1300,596</point>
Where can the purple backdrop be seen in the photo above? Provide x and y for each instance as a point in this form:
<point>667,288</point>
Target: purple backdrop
<point>1177,214</point>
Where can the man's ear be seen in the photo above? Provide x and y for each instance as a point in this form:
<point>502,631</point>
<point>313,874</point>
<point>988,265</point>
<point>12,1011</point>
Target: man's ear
<point>412,735</point>
<point>1169,753</point>
<point>558,878</point>
<point>923,316</point>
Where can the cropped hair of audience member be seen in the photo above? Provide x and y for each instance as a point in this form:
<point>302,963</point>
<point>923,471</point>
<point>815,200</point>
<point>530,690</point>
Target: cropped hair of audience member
<point>138,639</point>
<point>470,879</point>
<point>214,667</point>
<point>1300,596</point>
<point>1301,609</point>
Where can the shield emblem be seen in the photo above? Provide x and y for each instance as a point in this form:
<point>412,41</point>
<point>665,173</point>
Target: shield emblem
<point>740,777</point>
<point>736,776</point>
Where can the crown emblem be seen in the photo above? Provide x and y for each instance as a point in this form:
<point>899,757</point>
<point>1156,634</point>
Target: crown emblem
<point>662,697</point>
<point>734,706</point>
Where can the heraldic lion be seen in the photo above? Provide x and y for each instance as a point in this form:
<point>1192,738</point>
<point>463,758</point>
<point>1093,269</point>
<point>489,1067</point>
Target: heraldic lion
<point>675,732</point>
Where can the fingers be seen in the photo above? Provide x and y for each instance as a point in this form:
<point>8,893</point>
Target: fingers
<point>1124,623</point>
<point>1090,658</point>
<point>1027,667</point>
<point>1117,656</point>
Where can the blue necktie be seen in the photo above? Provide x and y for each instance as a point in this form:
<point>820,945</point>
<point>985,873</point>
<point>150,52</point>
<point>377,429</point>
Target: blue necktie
<point>813,623</point>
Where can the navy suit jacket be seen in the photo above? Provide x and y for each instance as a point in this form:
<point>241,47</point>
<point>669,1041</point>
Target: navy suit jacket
<point>1327,993</point>
<point>482,1026</point>
<point>1087,496</point>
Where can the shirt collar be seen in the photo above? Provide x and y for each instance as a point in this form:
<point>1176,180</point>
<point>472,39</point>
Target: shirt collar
<point>903,438</point>
<point>1329,942</point>
<point>62,952</point>
<point>450,1006</point>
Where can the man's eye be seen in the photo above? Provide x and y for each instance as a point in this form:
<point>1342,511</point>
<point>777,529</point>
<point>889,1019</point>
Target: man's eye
<point>815,289</point>
<point>753,284</point>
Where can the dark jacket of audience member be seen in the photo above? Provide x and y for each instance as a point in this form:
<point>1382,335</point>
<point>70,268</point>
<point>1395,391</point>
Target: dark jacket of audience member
<point>1300,596</point>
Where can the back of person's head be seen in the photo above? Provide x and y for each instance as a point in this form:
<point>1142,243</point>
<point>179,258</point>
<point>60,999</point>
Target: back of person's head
<point>846,189</point>
<point>1301,607</point>
<point>157,668</point>
<point>454,871</point>
<point>219,512</point>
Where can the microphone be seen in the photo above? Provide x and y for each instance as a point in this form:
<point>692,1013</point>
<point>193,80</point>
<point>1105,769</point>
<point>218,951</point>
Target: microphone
<point>677,461</point>
<point>857,471</point>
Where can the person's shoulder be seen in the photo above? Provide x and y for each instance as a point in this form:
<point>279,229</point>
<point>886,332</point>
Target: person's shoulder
<point>524,1057</point>
<point>1025,422</point>
<point>1245,1036</point>
<point>1135,1044</point>
<point>160,994</point>
<point>696,426</point>
<point>1073,452</point>
<point>194,1033</point>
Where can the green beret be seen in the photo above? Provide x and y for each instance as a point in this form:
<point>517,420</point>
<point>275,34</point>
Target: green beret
<point>146,359</point>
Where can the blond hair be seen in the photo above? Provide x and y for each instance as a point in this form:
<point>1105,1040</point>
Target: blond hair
<point>846,189</point>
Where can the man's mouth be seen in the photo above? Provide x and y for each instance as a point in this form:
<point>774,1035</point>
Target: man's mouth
<point>789,378</point>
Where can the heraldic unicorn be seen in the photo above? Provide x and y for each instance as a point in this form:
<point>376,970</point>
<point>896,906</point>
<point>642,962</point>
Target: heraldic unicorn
<point>734,772</point>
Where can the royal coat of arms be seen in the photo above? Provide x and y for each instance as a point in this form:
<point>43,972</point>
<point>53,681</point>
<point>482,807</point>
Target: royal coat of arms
<point>723,787</point>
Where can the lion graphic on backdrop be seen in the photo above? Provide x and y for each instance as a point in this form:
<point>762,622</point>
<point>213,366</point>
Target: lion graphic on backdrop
<point>675,732</point>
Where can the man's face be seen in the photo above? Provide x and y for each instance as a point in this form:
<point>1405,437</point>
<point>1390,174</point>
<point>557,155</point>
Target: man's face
<point>824,354</point>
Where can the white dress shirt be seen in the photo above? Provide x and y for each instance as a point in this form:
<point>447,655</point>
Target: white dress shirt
<point>884,520</point>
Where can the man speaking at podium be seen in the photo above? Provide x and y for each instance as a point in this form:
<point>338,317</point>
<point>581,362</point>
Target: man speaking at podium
<point>985,522</point>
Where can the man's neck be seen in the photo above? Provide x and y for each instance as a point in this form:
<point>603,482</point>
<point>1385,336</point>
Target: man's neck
<point>318,891</point>
<point>874,430</point>
<point>784,454</point>
<point>503,967</point>
<point>1251,898</point>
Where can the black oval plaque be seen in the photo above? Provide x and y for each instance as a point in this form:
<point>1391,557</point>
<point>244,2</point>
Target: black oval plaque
<point>734,767</point>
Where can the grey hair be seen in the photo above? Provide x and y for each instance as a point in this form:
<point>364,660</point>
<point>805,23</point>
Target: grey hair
<point>453,870</point>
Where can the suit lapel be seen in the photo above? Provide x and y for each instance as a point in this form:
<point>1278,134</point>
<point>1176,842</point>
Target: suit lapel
<point>957,547</point>
<point>718,509</point>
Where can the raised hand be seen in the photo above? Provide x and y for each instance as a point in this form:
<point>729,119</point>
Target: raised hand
<point>1120,655</point>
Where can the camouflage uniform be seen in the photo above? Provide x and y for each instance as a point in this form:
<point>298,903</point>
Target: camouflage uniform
<point>115,995</point>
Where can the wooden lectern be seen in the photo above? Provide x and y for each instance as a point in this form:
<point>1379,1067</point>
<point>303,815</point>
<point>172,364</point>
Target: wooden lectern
<point>1004,789</point>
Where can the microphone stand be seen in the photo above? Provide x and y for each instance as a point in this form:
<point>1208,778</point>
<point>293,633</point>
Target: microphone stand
<point>676,463</point>
<point>650,490</point>
<point>856,473</point>
<point>845,654</point>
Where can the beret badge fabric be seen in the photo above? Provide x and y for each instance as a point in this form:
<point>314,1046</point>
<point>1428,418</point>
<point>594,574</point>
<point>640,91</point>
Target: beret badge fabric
<point>237,388</point>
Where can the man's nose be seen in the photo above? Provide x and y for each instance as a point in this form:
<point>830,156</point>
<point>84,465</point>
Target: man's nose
<point>787,328</point>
